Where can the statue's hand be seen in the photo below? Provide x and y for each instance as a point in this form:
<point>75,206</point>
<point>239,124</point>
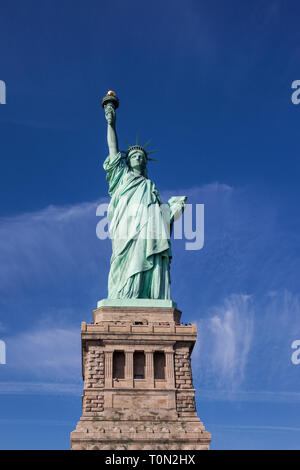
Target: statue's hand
<point>110,115</point>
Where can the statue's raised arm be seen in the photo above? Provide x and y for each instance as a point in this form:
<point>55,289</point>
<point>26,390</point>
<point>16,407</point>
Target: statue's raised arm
<point>113,164</point>
<point>110,103</point>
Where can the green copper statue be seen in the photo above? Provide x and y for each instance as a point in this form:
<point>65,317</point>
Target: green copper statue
<point>140,225</point>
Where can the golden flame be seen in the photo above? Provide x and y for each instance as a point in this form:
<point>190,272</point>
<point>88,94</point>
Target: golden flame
<point>111,93</point>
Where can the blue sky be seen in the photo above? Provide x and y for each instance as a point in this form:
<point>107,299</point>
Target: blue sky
<point>210,83</point>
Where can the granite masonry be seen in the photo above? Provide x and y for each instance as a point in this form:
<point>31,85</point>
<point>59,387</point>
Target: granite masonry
<point>138,386</point>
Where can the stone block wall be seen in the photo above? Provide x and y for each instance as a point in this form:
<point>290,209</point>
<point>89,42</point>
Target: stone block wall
<point>183,371</point>
<point>93,401</point>
<point>94,368</point>
<point>185,401</point>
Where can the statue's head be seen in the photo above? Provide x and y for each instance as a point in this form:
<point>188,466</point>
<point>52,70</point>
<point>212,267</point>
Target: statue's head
<point>137,157</point>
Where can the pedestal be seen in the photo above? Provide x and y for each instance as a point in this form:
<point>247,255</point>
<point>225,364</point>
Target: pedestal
<point>138,388</point>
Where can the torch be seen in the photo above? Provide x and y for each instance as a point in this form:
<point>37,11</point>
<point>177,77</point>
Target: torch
<point>110,98</point>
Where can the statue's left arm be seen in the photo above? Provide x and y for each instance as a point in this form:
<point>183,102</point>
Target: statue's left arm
<point>177,205</point>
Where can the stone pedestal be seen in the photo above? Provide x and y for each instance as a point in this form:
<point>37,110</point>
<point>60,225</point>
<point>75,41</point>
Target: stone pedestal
<point>138,388</point>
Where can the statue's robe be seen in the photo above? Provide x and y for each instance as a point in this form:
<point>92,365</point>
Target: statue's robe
<point>140,233</point>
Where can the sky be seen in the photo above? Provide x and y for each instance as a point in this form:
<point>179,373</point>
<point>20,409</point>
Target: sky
<point>210,83</point>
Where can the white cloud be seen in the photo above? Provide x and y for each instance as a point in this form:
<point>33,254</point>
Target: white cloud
<point>247,396</point>
<point>224,341</point>
<point>41,246</point>
<point>257,427</point>
<point>46,353</point>
<point>232,329</point>
<point>40,388</point>
<point>243,351</point>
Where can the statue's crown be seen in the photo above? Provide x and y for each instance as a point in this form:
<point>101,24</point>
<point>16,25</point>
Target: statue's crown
<point>136,147</point>
<point>139,147</point>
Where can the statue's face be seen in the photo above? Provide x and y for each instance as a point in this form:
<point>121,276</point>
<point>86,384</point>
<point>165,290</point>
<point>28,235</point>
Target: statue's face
<point>137,160</point>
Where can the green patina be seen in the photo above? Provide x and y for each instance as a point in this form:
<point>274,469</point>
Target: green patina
<point>140,226</point>
<point>159,303</point>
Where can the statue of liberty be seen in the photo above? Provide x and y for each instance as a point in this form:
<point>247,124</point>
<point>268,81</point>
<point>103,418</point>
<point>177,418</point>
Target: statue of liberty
<point>140,225</point>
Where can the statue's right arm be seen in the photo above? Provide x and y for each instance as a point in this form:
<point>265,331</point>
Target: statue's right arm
<point>113,164</point>
<point>112,139</point>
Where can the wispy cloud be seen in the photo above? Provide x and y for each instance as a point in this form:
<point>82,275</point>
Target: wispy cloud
<point>40,388</point>
<point>232,329</point>
<point>225,339</point>
<point>247,396</point>
<point>257,427</point>
<point>36,422</point>
<point>37,247</point>
<point>46,352</point>
<point>244,347</point>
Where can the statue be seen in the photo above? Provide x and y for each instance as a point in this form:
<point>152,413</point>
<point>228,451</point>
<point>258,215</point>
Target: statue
<point>140,225</point>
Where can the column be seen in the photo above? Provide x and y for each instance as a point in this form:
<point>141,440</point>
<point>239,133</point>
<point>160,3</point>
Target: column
<point>129,367</point>
<point>108,368</point>
<point>170,368</point>
<point>149,373</point>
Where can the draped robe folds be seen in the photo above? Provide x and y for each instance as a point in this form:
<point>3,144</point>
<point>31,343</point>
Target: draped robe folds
<point>140,234</point>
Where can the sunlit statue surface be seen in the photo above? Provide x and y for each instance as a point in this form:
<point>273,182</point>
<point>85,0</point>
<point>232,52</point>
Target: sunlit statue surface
<point>140,225</point>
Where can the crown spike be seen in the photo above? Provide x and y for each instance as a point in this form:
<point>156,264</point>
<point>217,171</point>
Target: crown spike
<point>139,147</point>
<point>127,142</point>
<point>147,143</point>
